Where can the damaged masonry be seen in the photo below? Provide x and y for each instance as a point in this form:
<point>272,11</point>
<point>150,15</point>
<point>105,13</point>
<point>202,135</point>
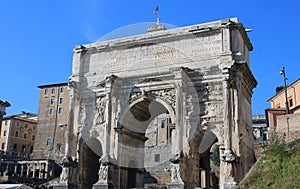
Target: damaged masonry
<point>197,76</point>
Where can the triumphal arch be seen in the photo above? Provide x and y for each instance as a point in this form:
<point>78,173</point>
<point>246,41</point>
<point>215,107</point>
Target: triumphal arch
<point>198,77</point>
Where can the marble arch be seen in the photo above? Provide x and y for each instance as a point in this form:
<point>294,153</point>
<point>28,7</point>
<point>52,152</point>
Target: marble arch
<point>199,74</point>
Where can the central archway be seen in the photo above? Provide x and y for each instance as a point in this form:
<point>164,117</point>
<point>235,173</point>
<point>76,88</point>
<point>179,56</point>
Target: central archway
<point>135,123</point>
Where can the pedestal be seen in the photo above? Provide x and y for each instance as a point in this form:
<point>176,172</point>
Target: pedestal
<point>176,186</point>
<point>61,186</point>
<point>100,186</point>
<point>229,185</point>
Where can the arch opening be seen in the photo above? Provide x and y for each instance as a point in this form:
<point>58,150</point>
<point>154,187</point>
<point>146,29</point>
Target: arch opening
<point>207,158</point>
<point>90,153</point>
<point>148,126</point>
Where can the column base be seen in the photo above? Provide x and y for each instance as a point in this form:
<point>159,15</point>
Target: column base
<point>100,186</point>
<point>62,186</point>
<point>229,185</point>
<point>176,186</point>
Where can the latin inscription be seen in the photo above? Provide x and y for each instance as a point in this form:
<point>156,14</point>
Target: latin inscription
<point>163,54</point>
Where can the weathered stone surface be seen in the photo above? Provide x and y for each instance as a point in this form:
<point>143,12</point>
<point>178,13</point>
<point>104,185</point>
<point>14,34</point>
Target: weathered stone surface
<point>198,76</point>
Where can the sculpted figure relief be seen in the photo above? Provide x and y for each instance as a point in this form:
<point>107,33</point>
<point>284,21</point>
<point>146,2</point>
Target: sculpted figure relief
<point>100,110</point>
<point>176,178</point>
<point>103,173</point>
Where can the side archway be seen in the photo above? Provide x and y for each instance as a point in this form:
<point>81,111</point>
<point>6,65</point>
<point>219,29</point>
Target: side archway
<point>90,153</point>
<point>203,146</point>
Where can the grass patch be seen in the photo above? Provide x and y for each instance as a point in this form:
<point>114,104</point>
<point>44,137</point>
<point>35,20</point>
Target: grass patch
<point>279,167</point>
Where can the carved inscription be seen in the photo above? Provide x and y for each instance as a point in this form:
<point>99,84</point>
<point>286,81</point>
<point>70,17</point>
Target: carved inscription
<point>162,54</point>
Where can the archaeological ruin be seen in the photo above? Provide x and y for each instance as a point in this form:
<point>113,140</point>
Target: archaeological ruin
<point>165,109</point>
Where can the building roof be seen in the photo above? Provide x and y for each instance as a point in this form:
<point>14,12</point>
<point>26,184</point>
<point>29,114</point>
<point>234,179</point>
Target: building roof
<point>25,116</point>
<point>282,91</point>
<point>52,85</point>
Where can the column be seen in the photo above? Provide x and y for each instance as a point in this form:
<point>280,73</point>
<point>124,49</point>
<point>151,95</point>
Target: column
<point>179,85</point>
<point>227,156</point>
<point>40,171</point>
<point>68,164</point>
<point>108,112</point>
<point>7,170</point>
<point>176,173</point>
<point>33,170</point>
<point>15,168</point>
<point>46,170</point>
<point>22,170</point>
<point>226,114</point>
<point>28,168</point>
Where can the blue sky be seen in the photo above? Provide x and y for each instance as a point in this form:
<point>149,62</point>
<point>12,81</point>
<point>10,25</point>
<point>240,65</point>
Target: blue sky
<point>37,38</point>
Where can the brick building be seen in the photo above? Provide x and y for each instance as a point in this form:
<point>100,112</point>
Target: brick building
<point>18,134</point>
<point>277,119</point>
<point>53,116</point>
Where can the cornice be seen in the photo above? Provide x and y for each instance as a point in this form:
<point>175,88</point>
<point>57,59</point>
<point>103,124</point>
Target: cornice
<point>156,37</point>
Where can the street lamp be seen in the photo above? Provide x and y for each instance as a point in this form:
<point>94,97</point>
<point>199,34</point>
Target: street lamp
<point>282,72</point>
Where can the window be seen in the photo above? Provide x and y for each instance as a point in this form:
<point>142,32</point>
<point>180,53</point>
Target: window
<point>61,90</point>
<point>33,137</point>
<point>291,102</point>
<point>6,122</point>
<point>4,133</point>
<point>46,92</point>
<point>26,126</point>
<point>17,134</point>
<point>61,100</point>
<point>23,149</point>
<point>49,142</point>
<point>53,91</point>
<point>157,157</point>
<point>163,124</point>
<point>25,135</point>
<point>59,110</point>
<point>3,146</point>
<point>17,124</point>
<point>169,120</point>
<point>34,127</point>
<point>15,147</point>
<point>58,147</point>
<point>51,101</point>
<point>50,111</point>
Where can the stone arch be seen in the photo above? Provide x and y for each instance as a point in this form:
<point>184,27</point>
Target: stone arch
<point>152,101</point>
<point>90,153</point>
<point>159,100</point>
<point>134,121</point>
<point>201,145</point>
